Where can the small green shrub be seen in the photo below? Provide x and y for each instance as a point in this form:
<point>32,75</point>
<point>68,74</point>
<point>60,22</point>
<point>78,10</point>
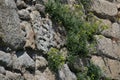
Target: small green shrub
<point>94,72</point>
<point>55,59</point>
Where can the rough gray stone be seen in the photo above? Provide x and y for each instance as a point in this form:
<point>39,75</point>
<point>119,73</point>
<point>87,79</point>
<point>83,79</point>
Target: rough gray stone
<point>9,24</point>
<point>24,61</point>
<point>46,36</point>
<point>29,76</point>
<point>43,30</point>
<point>66,74</point>
<point>13,76</point>
<point>106,32</point>
<point>108,47</point>
<point>24,14</point>
<point>3,77</point>
<point>2,70</point>
<point>41,62</point>
<point>5,58</point>
<point>21,4</point>
<point>40,8</point>
<point>45,75</point>
<point>111,68</point>
<point>115,31</point>
<point>104,8</point>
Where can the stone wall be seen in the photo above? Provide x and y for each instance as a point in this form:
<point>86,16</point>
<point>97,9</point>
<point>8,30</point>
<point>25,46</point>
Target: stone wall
<point>27,33</point>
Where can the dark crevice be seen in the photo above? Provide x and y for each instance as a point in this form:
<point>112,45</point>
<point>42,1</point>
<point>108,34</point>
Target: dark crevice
<point>11,69</point>
<point>31,70</point>
<point>42,69</point>
<point>104,16</point>
<point>106,56</point>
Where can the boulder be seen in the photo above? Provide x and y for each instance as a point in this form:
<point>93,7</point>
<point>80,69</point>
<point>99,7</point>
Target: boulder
<point>2,70</point>
<point>110,68</point>
<point>115,30</point>
<point>29,76</point>
<point>107,47</point>
<point>21,4</point>
<point>24,14</point>
<point>66,74</point>
<point>40,8</point>
<point>5,59</point>
<point>41,62</point>
<point>108,56</point>
<point>13,76</point>
<point>10,25</point>
<point>104,8</point>
<point>3,77</point>
<point>45,75</point>
<point>24,61</point>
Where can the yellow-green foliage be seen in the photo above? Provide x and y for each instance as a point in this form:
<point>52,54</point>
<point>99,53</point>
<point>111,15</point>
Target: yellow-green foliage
<point>55,59</point>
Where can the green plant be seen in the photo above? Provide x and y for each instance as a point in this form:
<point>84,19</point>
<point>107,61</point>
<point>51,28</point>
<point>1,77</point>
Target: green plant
<point>94,72</point>
<point>55,59</point>
<point>79,31</point>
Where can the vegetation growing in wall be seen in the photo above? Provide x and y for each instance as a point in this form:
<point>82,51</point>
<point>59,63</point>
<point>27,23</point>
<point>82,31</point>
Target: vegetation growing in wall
<point>79,31</point>
<point>92,72</point>
<point>55,58</point>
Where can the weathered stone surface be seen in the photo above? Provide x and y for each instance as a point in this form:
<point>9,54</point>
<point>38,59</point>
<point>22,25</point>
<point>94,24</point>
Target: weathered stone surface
<point>108,56</point>
<point>112,32</point>
<point>10,24</point>
<point>2,77</point>
<point>66,74</point>
<point>46,75</point>
<point>41,62</point>
<point>5,58</point>
<point>43,30</point>
<point>107,46</point>
<point>45,34</point>
<point>107,32</point>
<point>24,61</point>
<point>2,70</point>
<point>24,14</point>
<point>13,76</point>
<point>111,68</point>
<point>21,4</point>
<point>104,8</point>
<point>40,8</point>
<point>29,34</point>
<point>115,31</point>
<point>29,76</point>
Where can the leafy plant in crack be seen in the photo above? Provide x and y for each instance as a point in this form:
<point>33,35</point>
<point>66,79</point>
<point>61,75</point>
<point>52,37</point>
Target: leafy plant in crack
<point>55,59</point>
